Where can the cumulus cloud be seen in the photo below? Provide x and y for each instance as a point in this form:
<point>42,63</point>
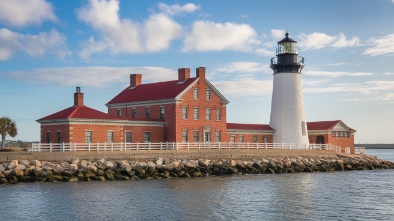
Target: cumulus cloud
<point>124,35</point>
<point>335,74</point>
<point>92,76</point>
<point>244,67</point>
<point>210,36</point>
<point>246,87</point>
<point>51,42</point>
<point>381,46</point>
<point>178,9</point>
<point>21,13</point>
<point>319,40</point>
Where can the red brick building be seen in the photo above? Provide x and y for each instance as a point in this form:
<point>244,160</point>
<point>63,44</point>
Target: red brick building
<point>189,109</point>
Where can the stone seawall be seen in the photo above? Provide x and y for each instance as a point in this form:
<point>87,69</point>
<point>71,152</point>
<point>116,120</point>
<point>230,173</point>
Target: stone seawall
<point>152,154</point>
<point>100,169</point>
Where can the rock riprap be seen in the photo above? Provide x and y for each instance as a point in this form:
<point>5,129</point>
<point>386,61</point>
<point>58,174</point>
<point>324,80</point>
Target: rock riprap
<point>100,169</point>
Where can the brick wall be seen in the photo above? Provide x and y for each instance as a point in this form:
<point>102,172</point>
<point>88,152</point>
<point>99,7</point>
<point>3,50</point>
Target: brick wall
<point>343,142</point>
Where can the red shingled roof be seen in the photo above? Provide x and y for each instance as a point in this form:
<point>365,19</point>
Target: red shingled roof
<point>153,91</point>
<point>82,112</point>
<point>236,126</point>
<point>322,125</point>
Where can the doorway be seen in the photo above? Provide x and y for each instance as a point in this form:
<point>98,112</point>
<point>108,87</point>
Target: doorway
<point>320,139</point>
<point>207,136</point>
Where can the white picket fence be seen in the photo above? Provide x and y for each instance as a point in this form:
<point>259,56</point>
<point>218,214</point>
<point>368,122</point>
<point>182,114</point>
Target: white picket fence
<point>63,147</point>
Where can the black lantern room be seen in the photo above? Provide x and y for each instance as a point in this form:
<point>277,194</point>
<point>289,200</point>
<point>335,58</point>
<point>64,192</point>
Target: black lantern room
<point>287,59</point>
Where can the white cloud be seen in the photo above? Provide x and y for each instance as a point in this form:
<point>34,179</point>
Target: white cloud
<point>265,52</point>
<point>21,13</point>
<point>210,36</point>
<point>124,35</point>
<point>370,90</point>
<point>336,73</point>
<point>51,42</point>
<point>277,34</point>
<point>244,87</point>
<point>92,76</point>
<point>159,30</point>
<point>389,73</point>
<point>178,9</point>
<point>319,40</point>
<point>244,67</point>
<point>381,46</point>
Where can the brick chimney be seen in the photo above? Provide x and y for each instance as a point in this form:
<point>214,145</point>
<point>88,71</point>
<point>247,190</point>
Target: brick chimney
<point>135,80</point>
<point>200,73</point>
<point>78,97</point>
<point>183,74</point>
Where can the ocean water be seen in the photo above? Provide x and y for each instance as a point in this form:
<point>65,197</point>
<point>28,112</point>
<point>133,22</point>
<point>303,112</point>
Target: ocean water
<point>354,195</point>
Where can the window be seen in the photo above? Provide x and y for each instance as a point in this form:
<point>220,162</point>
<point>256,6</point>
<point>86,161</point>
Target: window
<point>128,137</point>
<point>196,136</point>
<point>255,138</point>
<point>110,136</point>
<point>184,135</point>
<point>218,113</point>
<point>265,139</point>
<point>59,136</point>
<point>303,127</point>
<point>162,112</point>
<point>208,95</point>
<point>48,137</point>
<point>232,139</point>
<point>218,138</point>
<point>119,112</point>
<point>147,112</point>
<point>196,113</point>
<point>88,136</point>
<point>340,133</point>
<point>208,114</point>
<point>184,112</point>
<point>241,139</point>
<point>147,137</point>
<point>133,112</point>
<point>195,93</point>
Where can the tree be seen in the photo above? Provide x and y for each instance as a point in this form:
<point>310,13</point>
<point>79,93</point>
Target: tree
<point>7,127</point>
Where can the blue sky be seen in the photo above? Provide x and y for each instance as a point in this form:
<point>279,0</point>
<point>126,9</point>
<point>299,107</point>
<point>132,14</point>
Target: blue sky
<point>47,48</point>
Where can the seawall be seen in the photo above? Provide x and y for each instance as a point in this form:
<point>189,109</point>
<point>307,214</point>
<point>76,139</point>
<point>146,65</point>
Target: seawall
<point>149,155</point>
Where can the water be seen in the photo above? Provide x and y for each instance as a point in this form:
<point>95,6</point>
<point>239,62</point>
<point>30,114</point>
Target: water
<point>355,195</point>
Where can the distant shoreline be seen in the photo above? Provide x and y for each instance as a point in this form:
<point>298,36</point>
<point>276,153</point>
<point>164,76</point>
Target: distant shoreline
<point>375,146</point>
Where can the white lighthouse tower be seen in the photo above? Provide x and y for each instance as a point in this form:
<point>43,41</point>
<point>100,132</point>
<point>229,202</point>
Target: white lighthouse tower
<point>287,108</point>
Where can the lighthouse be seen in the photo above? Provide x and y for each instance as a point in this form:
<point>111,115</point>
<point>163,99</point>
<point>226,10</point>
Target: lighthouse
<point>287,107</point>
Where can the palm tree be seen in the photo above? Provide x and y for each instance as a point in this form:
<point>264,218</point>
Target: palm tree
<point>7,127</point>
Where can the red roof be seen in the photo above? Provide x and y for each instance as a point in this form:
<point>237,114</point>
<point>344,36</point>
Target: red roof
<point>82,112</point>
<point>319,125</point>
<point>153,91</point>
<point>322,125</point>
<point>235,126</point>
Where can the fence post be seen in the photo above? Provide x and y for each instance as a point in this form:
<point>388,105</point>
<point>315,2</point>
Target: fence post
<point>97,146</point>
<point>219,145</point>
<point>149,145</point>
<point>176,146</point>
<point>161,145</point>
<point>187,145</point>
<point>39,147</point>
<point>198,145</point>
<point>89,146</point>
<point>63,146</point>
<point>50,147</point>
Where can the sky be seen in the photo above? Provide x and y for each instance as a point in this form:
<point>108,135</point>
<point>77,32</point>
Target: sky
<point>49,47</point>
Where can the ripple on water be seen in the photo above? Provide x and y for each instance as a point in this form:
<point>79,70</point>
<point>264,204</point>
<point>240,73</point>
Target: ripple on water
<point>358,195</point>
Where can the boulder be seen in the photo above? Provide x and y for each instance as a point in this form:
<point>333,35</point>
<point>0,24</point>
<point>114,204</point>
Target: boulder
<point>75,161</point>
<point>67,173</point>
<point>84,163</point>
<point>151,164</point>
<point>109,164</point>
<point>124,163</point>
<point>203,163</point>
<point>12,164</point>
<point>2,169</point>
<point>73,179</point>
<point>109,175</point>
<point>92,168</point>
<point>25,162</point>
<point>73,167</point>
<point>65,165</point>
<point>20,167</point>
